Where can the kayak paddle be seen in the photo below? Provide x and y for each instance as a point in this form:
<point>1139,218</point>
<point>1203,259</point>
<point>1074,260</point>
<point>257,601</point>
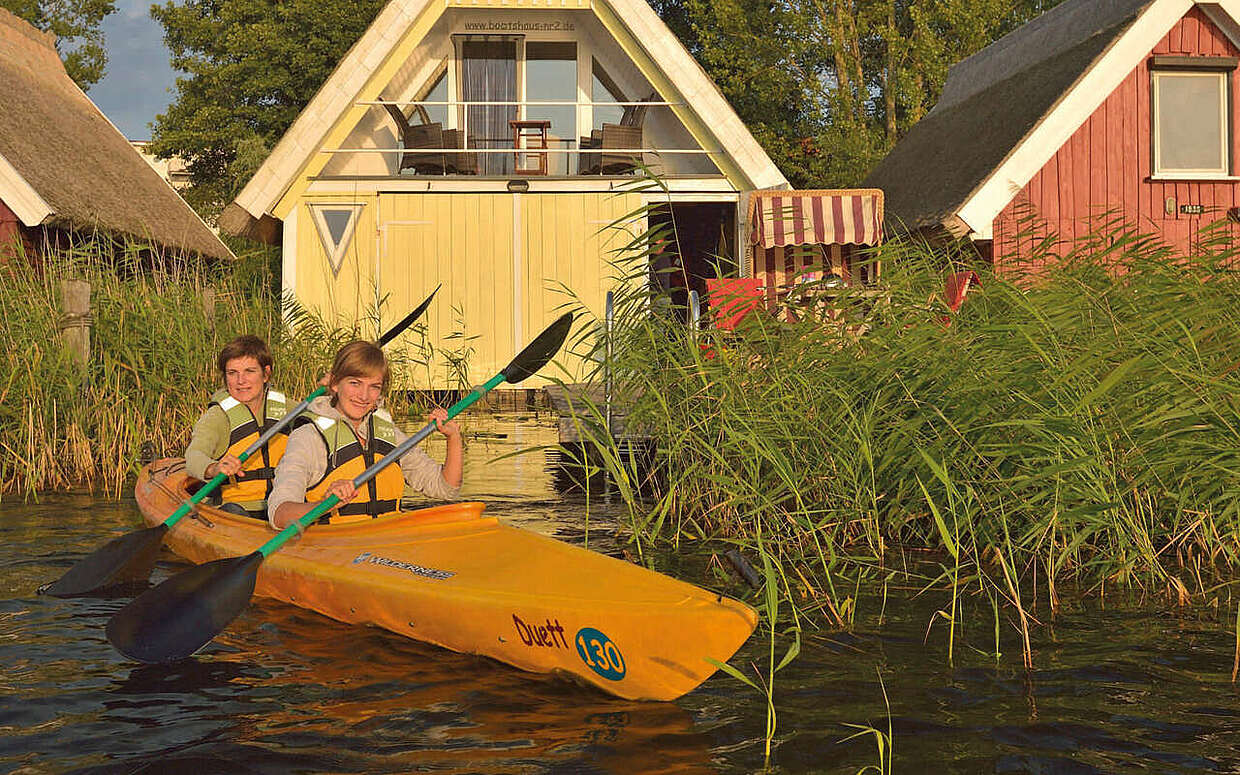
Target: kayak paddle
<point>395,330</point>
<point>129,558</point>
<point>185,612</point>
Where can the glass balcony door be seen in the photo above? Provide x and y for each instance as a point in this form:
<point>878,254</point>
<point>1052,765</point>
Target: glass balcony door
<point>537,80</point>
<point>551,77</point>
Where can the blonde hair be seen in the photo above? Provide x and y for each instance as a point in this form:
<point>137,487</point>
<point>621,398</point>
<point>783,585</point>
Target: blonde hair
<point>359,358</point>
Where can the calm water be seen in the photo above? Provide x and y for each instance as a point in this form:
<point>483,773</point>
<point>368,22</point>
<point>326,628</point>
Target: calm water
<point>289,691</point>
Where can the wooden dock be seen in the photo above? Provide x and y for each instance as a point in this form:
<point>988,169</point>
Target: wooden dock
<point>583,413</point>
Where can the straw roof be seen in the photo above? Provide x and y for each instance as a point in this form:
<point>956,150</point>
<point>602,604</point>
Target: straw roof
<point>989,105</point>
<point>57,146</point>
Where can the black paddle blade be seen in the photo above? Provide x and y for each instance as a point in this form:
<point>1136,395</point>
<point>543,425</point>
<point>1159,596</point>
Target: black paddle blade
<point>181,615</point>
<point>395,330</point>
<point>538,352</point>
<point>122,560</point>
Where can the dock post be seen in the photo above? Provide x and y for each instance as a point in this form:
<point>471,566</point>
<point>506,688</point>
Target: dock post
<point>608,329</point>
<point>75,318</point>
<point>208,305</point>
<point>695,314</point>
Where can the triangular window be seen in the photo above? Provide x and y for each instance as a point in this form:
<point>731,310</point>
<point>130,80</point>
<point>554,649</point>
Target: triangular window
<point>335,223</point>
<point>605,90</point>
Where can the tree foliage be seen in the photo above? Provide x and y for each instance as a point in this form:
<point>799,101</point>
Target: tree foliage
<point>828,86</point>
<point>251,66</point>
<point>75,23</point>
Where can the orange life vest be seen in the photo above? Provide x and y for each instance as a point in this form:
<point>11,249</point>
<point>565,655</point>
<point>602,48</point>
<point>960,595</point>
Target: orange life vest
<point>253,483</point>
<point>348,457</point>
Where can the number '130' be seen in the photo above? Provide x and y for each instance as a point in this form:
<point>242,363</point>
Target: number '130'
<point>600,654</point>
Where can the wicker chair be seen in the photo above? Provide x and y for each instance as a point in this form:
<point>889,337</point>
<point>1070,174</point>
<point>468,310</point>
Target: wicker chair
<point>463,162</point>
<point>419,136</point>
<point>594,160</point>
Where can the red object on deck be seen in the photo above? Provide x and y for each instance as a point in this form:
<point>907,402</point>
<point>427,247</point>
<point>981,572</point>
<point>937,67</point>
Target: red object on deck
<point>732,298</point>
<point>957,287</point>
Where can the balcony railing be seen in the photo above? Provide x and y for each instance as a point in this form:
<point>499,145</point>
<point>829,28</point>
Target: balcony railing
<point>529,147</point>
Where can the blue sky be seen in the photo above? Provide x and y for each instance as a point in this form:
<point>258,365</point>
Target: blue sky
<point>139,80</point>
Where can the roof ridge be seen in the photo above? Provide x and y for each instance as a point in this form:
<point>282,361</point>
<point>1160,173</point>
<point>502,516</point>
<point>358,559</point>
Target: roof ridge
<point>27,44</point>
<point>1055,31</point>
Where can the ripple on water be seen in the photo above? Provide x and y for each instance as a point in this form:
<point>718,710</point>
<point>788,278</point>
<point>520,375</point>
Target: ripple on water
<point>286,690</point>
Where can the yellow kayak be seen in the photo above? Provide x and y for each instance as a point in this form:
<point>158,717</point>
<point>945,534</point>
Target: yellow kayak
<point>452,577</point>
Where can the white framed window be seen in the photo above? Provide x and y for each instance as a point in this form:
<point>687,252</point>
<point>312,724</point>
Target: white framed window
<point>1191,122</point>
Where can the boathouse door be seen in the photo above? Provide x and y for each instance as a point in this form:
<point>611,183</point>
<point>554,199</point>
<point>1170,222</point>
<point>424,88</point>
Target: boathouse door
<point>509,264</point>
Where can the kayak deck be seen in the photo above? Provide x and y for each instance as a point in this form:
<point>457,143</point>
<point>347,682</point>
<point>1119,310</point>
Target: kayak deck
<point>447,575</point>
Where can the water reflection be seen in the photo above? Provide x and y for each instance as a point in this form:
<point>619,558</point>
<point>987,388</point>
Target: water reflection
<point>286,690</point>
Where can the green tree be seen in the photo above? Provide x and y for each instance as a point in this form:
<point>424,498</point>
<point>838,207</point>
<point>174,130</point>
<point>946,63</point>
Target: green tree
<point>75,23</point>
<point>828,86</point>
<point>252,66</point>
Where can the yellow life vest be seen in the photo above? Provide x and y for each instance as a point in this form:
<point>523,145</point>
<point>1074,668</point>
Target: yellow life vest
<point>253,483</point>
<point>348,457</point>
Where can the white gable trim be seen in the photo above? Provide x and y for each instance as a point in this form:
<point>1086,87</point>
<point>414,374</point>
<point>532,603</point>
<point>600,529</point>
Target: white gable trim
<point>701,95</point>
<point>20,196</point>
<point>1076,106</point>
<point>332,100</point>
<point>398,18</point>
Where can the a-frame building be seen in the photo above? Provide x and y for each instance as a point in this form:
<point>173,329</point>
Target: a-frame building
<point>487,145</point>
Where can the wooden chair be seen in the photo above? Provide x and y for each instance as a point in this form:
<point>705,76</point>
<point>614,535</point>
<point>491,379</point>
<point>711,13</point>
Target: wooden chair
<point>627,134</point>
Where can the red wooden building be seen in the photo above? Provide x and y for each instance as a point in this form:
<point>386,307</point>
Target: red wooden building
<point>1096,110</point>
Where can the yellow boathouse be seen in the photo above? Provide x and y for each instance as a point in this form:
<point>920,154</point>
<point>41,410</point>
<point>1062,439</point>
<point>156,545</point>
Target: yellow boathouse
<point>486,145</point>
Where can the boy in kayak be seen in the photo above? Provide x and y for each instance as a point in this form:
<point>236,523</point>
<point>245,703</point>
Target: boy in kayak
<point>232,421</point>
<point>345,432</point>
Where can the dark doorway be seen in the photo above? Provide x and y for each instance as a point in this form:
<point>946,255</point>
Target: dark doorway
<point>696,243</point>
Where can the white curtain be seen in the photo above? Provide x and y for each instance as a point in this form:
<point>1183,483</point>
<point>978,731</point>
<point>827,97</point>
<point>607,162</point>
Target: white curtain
<point>489,74</point>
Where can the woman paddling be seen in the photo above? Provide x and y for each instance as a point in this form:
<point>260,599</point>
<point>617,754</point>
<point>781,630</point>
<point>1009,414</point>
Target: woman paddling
<point>232,421</point>
<point>343,434</point>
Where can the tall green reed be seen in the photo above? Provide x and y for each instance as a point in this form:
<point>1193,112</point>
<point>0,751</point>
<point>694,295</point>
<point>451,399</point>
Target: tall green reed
<point>1087,412</point>
<point>153,348</point>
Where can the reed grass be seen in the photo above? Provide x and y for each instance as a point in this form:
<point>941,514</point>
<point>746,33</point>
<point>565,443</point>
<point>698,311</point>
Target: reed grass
<point>152,365</point>
<point>1076,424</point>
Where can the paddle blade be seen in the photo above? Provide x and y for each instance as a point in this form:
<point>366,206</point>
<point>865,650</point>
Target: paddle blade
<point>538,352</point>
<point>123,560</point>
<point>395,330</point>
<point>181,615</point>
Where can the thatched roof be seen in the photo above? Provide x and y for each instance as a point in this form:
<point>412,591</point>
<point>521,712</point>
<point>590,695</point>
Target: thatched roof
<point>990,103</point>
<point>64,150</point>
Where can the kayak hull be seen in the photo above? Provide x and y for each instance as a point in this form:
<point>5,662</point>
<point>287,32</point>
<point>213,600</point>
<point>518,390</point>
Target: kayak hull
<point>452,577</point>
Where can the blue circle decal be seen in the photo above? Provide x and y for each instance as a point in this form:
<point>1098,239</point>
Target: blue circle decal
<point>600,654</point>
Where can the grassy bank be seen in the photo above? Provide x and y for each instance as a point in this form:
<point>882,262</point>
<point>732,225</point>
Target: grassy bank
<point>1077,426</point>
<point>152,363</point>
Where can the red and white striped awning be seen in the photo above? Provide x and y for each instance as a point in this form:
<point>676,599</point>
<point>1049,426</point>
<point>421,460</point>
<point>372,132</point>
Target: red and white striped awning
<point>834,217</point>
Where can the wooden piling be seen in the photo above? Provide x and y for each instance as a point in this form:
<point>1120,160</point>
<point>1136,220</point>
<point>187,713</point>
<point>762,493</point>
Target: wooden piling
<point>208,305</point>
<point>75,318</point>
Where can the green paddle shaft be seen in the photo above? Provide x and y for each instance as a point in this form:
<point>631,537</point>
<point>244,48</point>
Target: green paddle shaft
<point>210,486</point>
<point>327,503</point>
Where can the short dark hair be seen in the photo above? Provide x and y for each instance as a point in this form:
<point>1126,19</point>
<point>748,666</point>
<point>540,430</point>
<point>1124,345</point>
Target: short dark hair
<point>244,346</point>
